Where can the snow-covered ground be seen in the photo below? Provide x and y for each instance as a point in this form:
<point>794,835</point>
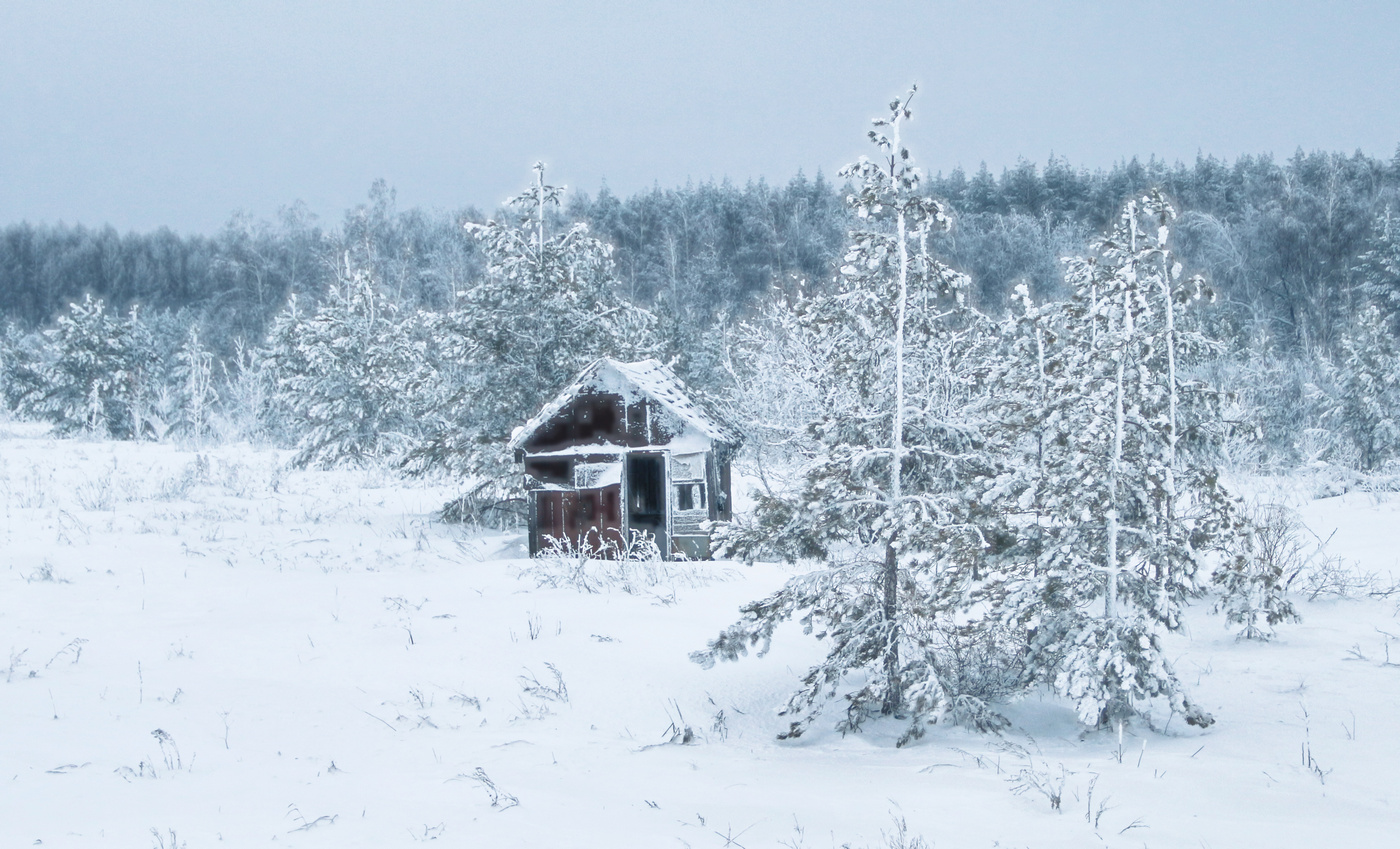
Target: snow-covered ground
<point>228,652</point>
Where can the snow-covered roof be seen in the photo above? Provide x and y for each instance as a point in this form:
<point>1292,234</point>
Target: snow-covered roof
<point>650,378</point>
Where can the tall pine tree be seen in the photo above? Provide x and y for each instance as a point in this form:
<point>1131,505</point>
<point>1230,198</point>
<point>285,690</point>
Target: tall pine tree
<point>545,308</point>
<point>351,374</point>
<point>1113,472</point>
<point>1366,407</point>
<point>882,504</point>
<point>100,372</point>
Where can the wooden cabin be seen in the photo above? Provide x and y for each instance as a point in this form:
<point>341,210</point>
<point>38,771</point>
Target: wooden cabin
<point>624,449</point>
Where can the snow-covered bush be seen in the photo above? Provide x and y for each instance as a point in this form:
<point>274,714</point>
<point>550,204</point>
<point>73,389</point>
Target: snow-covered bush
<point>250,407</point>
<point>194,387</point>
<point>979,666</point>
<point>775,368</point>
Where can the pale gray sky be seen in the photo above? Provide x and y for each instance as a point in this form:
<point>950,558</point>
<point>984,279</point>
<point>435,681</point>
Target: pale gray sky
<point>143,113</point>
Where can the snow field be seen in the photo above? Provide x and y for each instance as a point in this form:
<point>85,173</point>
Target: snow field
<point>210,645</point>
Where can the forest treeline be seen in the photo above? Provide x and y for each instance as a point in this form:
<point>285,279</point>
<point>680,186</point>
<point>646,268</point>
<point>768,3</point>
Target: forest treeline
<point>1292,251</point>
<point>1277,240</point>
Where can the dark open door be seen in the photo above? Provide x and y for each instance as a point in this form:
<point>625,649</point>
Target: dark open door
<point>646,497</point>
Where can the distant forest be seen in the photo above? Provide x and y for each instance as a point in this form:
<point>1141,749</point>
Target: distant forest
<point>1277,241</point>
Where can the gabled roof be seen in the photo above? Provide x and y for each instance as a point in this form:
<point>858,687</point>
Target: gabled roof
<point>647,377</point>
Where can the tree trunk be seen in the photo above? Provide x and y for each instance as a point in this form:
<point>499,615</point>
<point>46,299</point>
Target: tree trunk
<point>1111,567</point>
<point>1169,511</point>
<point>894,695</point>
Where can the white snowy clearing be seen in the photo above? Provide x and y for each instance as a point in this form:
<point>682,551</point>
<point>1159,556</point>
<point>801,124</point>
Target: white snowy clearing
<point>206,649</point>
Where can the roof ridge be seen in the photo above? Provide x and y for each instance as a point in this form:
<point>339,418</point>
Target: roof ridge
<point>652,377</point>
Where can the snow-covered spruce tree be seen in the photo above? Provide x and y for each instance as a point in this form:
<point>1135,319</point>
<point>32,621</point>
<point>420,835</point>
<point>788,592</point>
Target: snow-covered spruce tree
<point>1366,406</point>
<point>1114,475</point>
<point>99,373</point>
<point>22,379</point>
<point>883,503</point>
<point>546,307</point>
<point>1379,266</point>
<point>350,374</point>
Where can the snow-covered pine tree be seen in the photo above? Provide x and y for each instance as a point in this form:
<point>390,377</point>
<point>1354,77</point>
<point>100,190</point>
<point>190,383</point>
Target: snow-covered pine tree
<point>1115,481</point>
<point>546,307</point>
<point>351,374</point>
<point>1379,265</point>
<point>22,380</point>
<point>1367,379</point>
<point>1362,403</point>
<point>99,372</point>
<point>882,505</point>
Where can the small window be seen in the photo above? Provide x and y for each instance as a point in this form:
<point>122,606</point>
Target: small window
<point>550,471</point>
<point>688,467</point>
<point>690,496</point>
<point>597,475</point>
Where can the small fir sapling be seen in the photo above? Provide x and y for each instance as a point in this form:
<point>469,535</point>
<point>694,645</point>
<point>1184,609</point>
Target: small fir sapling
<point>1253,580</point>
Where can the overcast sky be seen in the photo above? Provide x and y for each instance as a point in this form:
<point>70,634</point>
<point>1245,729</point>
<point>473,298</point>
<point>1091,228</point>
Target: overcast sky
<point>143,114</point>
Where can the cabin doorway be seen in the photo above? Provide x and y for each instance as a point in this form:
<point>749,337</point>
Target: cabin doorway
<point>646,497</point>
